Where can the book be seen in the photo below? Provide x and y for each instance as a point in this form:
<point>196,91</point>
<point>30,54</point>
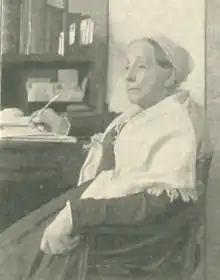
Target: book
<point>72,33</point>
<point>91,33</point>
<point>86,30</point>
<point>54,28</point>
<point>32,26</point>
<point>83,27</point>
<point>74,20</point>
<point>61,44</point>
<point>10,24</point>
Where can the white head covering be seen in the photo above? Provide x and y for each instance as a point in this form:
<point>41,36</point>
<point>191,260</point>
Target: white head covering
<point>179,57</point>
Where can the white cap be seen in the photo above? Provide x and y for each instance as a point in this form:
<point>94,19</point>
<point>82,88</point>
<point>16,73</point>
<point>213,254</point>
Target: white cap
<point>181,60</point>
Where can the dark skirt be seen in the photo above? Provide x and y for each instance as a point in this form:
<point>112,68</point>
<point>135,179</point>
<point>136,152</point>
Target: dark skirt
<point>21,258</point>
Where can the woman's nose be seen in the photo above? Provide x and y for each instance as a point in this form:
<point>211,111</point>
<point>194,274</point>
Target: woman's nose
<point>130,75</point>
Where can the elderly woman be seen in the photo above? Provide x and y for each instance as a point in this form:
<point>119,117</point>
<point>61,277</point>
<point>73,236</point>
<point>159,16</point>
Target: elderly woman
<point>140,170</point>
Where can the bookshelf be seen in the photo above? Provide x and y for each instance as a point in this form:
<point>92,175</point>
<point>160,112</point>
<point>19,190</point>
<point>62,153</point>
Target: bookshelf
<point>88,116</point>
<point>77,57</point>
<point>21,188</point>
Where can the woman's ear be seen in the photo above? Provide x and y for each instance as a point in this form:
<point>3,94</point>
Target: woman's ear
<point>170,81</point>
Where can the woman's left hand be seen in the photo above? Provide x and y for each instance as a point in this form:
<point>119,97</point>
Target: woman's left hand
<point>57,237</point>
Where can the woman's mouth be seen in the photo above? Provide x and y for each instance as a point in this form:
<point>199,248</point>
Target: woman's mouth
<point>132,89</point>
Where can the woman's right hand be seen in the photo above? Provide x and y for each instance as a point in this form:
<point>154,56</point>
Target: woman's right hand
<point>50,121</point>
<point>57,238</point>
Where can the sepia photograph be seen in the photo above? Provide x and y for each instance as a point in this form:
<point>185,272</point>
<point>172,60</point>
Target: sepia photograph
<point>109,140</point>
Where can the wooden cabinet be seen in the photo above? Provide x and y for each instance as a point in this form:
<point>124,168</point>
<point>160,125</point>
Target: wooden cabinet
<point>88,60</point>
<point>32,176</point>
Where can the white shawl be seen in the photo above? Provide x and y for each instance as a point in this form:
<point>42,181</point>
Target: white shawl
<point>156,151</point>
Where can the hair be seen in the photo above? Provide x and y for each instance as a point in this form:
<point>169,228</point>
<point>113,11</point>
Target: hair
<point>160,56</point>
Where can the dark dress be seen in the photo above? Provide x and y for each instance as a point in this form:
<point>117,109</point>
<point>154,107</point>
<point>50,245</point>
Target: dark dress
<point>19,244</point>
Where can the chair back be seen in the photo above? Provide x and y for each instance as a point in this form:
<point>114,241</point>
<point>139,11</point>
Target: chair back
<point>203,165</point>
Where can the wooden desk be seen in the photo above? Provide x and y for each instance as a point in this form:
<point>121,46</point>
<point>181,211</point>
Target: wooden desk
<point>32,173</point>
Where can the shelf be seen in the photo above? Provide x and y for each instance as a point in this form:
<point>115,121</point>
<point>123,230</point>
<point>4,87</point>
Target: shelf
<point>81,105</point>
<point>81,56</point>
<point>76,103</point>
<point>77,107</point>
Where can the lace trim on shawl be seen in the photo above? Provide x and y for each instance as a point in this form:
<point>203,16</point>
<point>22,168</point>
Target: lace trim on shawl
<point>94,140</point>
<point>186,194</point>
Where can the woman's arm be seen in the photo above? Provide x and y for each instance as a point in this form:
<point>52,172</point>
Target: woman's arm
<point>130,210</point>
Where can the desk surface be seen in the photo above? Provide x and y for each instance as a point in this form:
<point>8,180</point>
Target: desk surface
<point>35,141</point>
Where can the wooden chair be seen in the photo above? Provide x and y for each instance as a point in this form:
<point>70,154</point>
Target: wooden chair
<point>193,216</point>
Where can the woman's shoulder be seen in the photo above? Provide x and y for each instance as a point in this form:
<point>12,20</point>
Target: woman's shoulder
<point>190,107</point>
<point>173,111</point>
<point>195,113</point>
<point>185,99</point>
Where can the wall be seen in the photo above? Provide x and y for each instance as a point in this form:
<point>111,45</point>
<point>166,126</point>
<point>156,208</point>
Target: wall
<point>213,112</point>
<point>0,56</point>
<point>181,20</point>
<point>213,71</point>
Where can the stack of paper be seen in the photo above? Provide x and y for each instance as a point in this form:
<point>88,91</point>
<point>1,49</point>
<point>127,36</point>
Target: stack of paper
<point>14,127</point>
<point>32,134</point>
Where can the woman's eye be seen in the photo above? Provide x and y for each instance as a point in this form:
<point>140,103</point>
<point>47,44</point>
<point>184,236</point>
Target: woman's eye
<point>126,67</point>
<point>141,66</point>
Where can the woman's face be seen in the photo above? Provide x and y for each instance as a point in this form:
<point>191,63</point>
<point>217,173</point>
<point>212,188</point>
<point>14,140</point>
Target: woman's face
<point>143,76</point>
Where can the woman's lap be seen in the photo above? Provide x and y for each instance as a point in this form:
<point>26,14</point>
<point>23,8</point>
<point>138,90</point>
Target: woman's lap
<point>19,247</point>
